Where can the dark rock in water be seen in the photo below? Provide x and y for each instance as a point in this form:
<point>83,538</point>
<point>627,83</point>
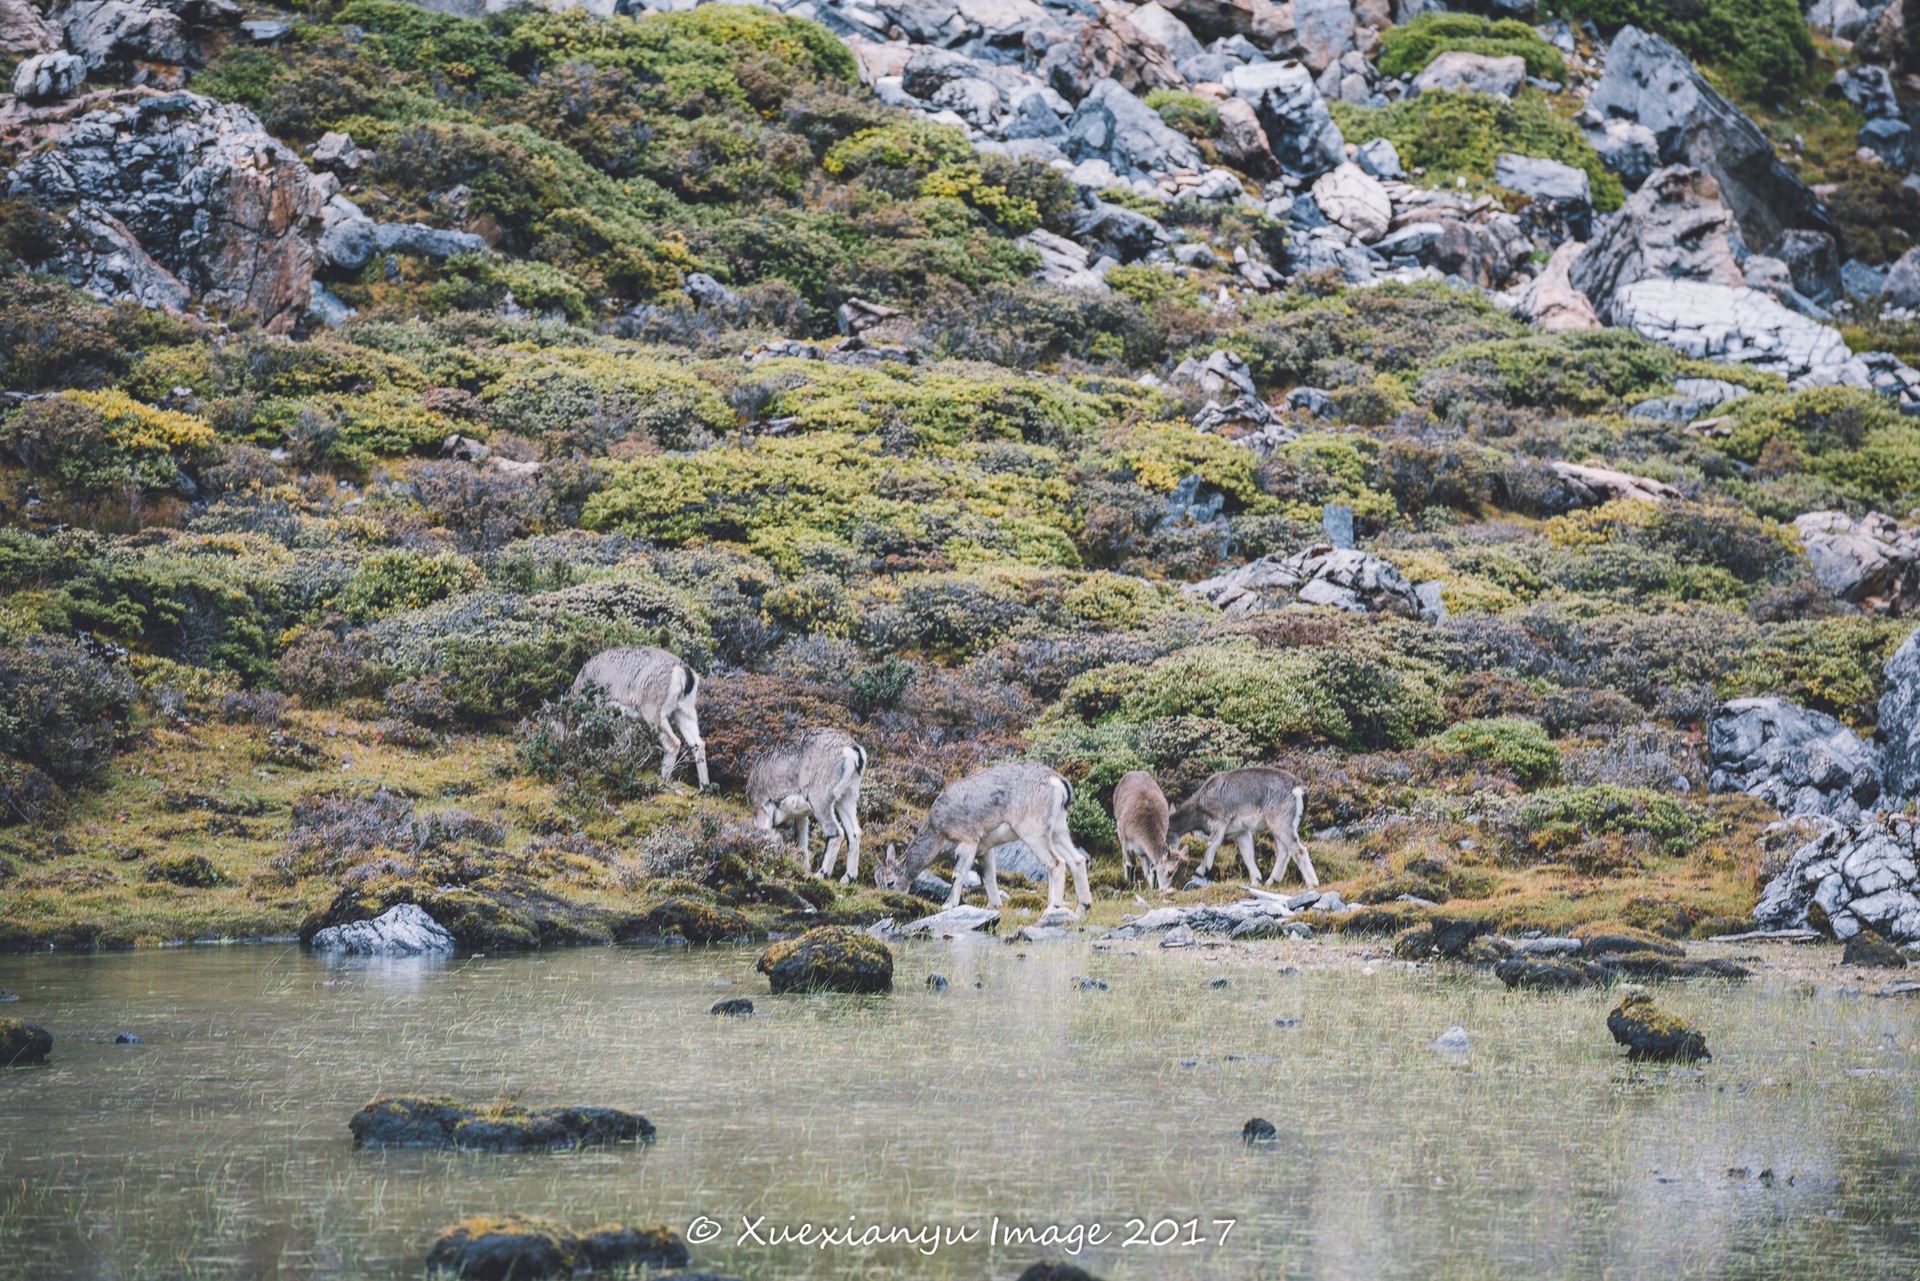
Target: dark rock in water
<point>1052,1270</point>
<point>613,1247</point>
<point>1218,984</point>
<point>507,1247</point>
<point>1439,936</point>
<point>1537,975</point>
<point>512,1247</point>
<point>737,1005</point>
<point>1259,1130</point>
<point>1288,1024</point>
<point>1871,951</point>
<point>1649,1032</point>
<point>1086,984</point>
<point>833,958</point>
<point>415,1121</point>
<point>937,982</point>
<point>6,996</point>
<point>126,1038</point>
<point>22,1043</point>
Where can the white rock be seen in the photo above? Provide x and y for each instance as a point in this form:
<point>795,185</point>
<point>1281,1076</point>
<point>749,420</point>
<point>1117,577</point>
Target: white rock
<point>1352,198</point>
<point>405,930</point>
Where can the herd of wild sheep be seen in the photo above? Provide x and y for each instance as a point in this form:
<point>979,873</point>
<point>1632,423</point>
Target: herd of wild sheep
<point>814,775</point>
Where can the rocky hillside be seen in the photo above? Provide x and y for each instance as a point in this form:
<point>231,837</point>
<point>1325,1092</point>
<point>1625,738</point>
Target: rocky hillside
<point>1502,419</point>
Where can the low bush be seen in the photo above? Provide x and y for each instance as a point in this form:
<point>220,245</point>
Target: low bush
<point>1407,49</point>
<point>587,745</point>
<point>1514,743</point>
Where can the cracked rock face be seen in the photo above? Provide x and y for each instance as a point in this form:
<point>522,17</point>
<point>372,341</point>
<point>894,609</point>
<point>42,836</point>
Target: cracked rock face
<point>202,189</point>
<point>1799,761</point>
<point>1653,84</point>
<point>1900,722</point>
<point>1858,875</point>
<point>1673,228</point>
<point>23,32</point>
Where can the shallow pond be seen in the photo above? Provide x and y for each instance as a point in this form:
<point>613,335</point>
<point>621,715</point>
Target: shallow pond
<point>218,1146</point>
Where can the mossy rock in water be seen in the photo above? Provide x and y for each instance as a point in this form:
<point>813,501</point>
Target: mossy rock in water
<point>1871,951</point>
<point>1536,975</point>
<point>493,914</point>
<point>1649,1032</point>
<point>417,1121</point>
<point>1439,936</point>
<point>690,918</point>
<point>23,1043</point>
<point>833,958</point>
<point>612,1247</point>
<point>506,1247</point>
<point>192,871</point>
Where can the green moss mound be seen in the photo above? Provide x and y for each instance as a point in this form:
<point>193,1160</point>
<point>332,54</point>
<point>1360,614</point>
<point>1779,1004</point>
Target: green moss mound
<point>1406,50</point>
<point>1650,1033</point>
<point>191,871</point>
<point>834,958</point>
<point>418,1121</point>
<point>1462,135</point>
<point>513,1247</point>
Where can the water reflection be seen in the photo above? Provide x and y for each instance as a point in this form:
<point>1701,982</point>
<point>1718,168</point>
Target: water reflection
<point>218,1146</point>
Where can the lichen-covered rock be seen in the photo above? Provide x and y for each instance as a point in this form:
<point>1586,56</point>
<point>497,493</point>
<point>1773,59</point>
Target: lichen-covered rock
<point>402,930</point>
<point>1439,936</point>
<point>833,958</point>
<point>24,32</point>
<point>1872,561</point>
<point>1737,325</point>
<point>23,1043</point>
<point>1799,761</point>
<point>1650,1033</point>
<point>611,1248</point>
<point>1861,875</point>
<point>203,190</point>
<point>1869,950</point>
<point>418,1121</point>
<point>1342,577</point>
<point>142,41</point>
<point>1111,48</point>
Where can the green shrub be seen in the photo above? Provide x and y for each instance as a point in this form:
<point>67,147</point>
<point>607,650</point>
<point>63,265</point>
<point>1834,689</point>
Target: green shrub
<point>1562,817</point>
<point>63,710</point>
<point>190,871</point>
<point>583,742</point>
<point>1513,742</point>
<point>388,582</point>
<point>1189,113</point>
<point>1849,436</point>
<point>1461,135</point>
<point>1406,50</point>
<point>96,441</point>
<point>1764,45</point>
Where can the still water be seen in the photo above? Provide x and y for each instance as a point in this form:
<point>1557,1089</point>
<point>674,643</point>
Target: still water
<point>218,1146</point>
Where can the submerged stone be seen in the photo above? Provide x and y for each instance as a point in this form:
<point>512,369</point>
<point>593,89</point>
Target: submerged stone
<point>734,1006</point>
<point>1259,1130</point>
<point>833,958</point>
<point>416,1121</point>
<point>1533,974</point>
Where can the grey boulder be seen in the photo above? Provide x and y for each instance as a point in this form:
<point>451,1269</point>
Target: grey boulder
<point>1562,197</point>
<point>1458,71</point>
<point>1300,130</point>
<point>1344,578</point>
<point>1797,760</point>
<point>1111,124</point>
<point>1650,82</point>
<point>1859,875</point>
<point>1902,285</point>
<point>1673,228</point>
<point>49,77</point>
<point>1900,723</point>
<point>1871,561</point>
